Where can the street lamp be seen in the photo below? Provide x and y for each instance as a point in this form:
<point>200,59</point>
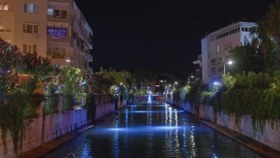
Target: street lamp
<point>230,62</point>
<point>189,78</point>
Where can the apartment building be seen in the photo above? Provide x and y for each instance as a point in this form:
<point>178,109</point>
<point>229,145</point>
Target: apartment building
<point>215,48</point>
<point>55,29</point>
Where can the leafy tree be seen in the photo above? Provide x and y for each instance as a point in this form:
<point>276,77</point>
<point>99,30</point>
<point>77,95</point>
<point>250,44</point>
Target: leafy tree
<point>269,34</point>
<point>143,74</point>
<point>247,58</point>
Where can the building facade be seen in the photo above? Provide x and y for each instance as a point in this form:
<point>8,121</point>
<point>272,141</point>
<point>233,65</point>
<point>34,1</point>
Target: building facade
<point>55,29</point>
<point>216,46</point>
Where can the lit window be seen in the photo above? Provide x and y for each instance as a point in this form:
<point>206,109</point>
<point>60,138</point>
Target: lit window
<point>1,28</point>
<point>57,32</point>
<point>50,11</point>
<point>4,6</point>
<point>30,8</point>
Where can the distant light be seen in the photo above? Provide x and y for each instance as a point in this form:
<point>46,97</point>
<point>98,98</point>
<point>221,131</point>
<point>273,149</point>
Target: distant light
<point>84,83</point>
<point>230,62</point>
<point>176,82</point>
<point>68,60</point>
<point>216,83</point>
<point>192,76</point>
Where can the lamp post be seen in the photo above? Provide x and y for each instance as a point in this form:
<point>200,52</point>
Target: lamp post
<point>230,62</point>
<point>189,78</point>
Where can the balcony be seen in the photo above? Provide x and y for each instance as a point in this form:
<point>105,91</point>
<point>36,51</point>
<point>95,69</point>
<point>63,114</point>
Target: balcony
<point>66,39</point>
<point>52,18</point>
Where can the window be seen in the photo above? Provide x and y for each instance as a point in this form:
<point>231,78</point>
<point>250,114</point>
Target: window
<point>60,13</point>
<point>4,6</point>
<point>59,33</point>
<point>50,11</point>
<point>24,48</point>
<point>57,53</point>
<point>63,14</point>
<point>2,28</point>
<point>30,28</point>
<point>34,48</point>
<point>30,8</point>
<point>29,48</point>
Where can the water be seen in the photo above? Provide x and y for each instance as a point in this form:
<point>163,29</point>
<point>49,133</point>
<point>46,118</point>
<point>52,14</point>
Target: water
<point>154,131</point>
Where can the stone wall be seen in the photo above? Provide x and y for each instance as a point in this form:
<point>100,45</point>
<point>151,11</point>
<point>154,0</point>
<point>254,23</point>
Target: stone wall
<point>270,136</point>
<point>42,129</point>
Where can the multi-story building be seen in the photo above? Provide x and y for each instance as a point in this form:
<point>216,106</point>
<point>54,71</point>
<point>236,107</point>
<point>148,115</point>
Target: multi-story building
<point>216,46</point>
<point>55,29</point>
<point>198,68</point>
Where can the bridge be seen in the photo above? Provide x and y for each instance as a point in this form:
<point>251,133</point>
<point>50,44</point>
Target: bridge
<point>152,99</point>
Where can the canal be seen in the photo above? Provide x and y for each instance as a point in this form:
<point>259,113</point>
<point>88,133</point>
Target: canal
<point>154,131</point>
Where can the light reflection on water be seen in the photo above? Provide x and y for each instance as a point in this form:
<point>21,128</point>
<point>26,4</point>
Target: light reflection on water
<point>151,131</point>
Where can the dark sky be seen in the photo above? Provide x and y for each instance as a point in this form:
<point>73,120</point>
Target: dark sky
<point>163,35</point>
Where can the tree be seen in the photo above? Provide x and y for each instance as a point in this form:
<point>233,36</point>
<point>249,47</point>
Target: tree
<point>269,35</point>
<point>247,58</point>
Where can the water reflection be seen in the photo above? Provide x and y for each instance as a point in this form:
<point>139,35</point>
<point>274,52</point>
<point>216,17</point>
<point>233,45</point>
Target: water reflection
<point>151,131</point>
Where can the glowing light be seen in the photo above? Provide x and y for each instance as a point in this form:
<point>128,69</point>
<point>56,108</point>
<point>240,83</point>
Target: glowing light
<point>230,62</point>
<point>144,129</point>
<point>68,60</point>
<point>216,83</point>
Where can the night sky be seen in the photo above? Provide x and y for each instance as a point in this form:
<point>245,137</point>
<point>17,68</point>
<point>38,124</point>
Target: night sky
<point>158,34</point>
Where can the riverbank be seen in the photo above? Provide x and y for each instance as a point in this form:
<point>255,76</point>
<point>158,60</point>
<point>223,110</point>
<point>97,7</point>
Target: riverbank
<point>101,112</point>
<point>250,143</point>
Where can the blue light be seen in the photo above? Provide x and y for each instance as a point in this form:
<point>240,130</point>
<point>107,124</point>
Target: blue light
<point>145,129</point>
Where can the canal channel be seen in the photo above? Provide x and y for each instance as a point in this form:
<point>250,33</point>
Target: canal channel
<point>152,131</point>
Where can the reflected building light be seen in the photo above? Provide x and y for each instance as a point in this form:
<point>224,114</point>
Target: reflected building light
<point>176,117</point>
<point>85,152</point>
<point>170,116</point>
<point>192,143</point>
<point>126,117</point>
<point>116,145</point>
<point>166,115</point>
